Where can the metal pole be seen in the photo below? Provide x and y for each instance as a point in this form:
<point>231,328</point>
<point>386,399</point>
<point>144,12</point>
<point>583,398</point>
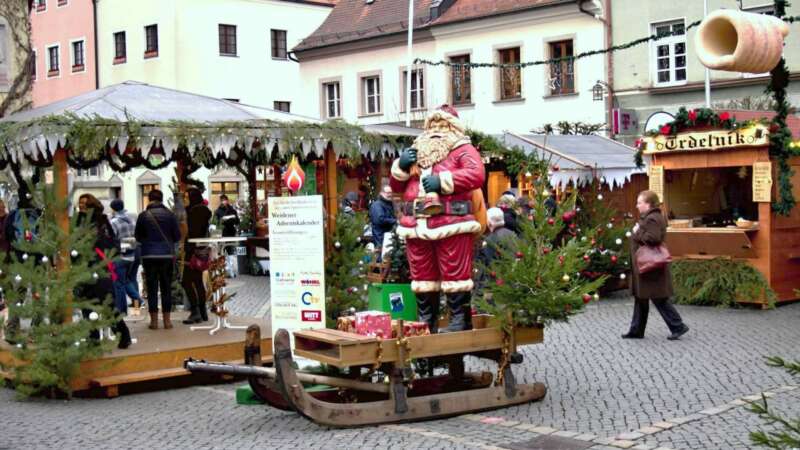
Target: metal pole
<point>410,61</point>
<point>708,71</point>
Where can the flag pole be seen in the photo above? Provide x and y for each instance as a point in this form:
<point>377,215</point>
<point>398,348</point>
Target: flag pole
<point>409,73</point>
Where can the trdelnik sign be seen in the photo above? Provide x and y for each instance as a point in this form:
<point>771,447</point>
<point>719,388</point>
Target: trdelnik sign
<point>754,136</point>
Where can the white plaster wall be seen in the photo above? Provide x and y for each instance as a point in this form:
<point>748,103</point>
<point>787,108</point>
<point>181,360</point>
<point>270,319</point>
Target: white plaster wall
<point>120,15</point>
<point>486,114</point>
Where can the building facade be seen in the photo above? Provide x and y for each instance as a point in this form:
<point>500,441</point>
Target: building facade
<point>62,34</point>
<point>370,87</point>
<point>15,82</point>
<point>231,49</point>
<point>666,74</point>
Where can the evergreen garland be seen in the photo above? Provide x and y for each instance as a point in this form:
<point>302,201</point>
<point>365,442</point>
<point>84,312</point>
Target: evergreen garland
<point>718,282</point>
<point>514,159</point>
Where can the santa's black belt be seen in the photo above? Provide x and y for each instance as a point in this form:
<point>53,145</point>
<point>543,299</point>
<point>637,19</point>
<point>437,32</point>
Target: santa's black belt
<point>450,208</point>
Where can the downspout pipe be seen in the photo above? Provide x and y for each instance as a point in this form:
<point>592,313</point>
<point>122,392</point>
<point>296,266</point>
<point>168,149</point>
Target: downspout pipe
<point>96,54</point>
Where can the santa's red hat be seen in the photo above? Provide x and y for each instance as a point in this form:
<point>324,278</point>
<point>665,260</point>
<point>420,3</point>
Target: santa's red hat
<point>446,113</point>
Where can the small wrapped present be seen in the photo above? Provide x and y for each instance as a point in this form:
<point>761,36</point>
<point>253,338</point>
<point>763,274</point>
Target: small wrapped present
<point>346,324</point>
<point>374,323</point>
<point>411,329</point>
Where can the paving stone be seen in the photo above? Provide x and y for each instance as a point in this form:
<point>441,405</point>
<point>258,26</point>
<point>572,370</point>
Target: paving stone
<point>629,436</point>
<point>586,437</point>
<point>737,402</point>
<point>604,440</point>
<point>752,398</point>
<point>508,423</point>
<point>597,384</point>
<point>716,410</point>
<point>566,434</point>
<point>644,447</point>
<point>664,425</point>
<point>649,430</point>
<point>622,443</point>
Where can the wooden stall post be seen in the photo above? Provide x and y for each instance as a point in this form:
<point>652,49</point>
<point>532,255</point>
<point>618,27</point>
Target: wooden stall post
<point>62,220</point>
<point>331,194</point>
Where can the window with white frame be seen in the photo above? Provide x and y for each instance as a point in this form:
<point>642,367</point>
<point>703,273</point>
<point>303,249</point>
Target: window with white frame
<point>53,61</point>
<point>371,95</point>
<point>669,53</point>
<point>333,99</point>
<point>417,89</point>
<point>78,56</point>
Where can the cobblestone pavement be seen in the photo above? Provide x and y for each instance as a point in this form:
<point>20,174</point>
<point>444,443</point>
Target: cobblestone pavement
<point>641,394</point>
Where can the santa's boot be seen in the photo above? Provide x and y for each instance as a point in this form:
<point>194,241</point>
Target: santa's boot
<point>460,312</point>
<point>428,309</point>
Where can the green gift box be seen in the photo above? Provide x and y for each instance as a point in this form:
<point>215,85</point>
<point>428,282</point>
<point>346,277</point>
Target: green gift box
<point>396,299</point>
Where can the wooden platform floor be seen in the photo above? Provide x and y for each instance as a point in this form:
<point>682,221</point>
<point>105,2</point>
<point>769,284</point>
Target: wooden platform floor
<point>155,361</point>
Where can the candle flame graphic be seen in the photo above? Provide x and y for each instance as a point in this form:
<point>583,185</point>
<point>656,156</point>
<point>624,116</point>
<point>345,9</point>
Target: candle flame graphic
<point>294,176</point>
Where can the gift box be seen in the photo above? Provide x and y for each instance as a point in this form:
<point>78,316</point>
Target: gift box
<point>411,329</point>
<point>374,323</point>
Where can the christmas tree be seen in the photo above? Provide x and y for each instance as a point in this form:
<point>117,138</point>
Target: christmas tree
<point>344,268</point>
<point>49,341</point>
<point>536,278</point>
<point>610,250</point>
<point>399,272</point>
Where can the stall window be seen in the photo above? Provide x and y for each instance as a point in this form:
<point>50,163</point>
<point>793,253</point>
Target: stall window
<point>714,197</point>
<point>229,188</point>
<point>669,53</point>
<point>145,189</point>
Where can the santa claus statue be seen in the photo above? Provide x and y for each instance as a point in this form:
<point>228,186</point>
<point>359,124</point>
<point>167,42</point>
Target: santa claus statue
<point>437,177</point>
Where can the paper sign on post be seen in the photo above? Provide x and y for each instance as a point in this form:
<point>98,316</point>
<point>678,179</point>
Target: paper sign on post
<point>656,179</point>
<point>762,182</point>
<point>297,263</point>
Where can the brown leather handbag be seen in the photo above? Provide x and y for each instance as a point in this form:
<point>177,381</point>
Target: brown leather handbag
<point>650,258</point>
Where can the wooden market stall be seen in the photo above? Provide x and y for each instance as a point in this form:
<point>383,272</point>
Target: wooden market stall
<point>717,190</point>
<point>575,160</point>
<point>134,124</point>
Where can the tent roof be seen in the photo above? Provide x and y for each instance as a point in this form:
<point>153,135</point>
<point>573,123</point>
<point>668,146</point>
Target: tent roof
<point>579,157</point>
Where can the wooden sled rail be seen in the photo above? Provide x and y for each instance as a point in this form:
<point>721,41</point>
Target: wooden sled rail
<point>342,349</point>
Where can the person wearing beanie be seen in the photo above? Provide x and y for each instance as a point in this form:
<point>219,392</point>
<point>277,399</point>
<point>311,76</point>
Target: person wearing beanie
<point>127,265</point>
<point>499,237</point>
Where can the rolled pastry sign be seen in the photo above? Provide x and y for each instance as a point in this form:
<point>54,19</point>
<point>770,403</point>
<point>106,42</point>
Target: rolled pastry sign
<point>754,136</point>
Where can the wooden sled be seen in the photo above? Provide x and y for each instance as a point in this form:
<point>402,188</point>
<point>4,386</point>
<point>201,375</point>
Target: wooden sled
<point>357,398</point>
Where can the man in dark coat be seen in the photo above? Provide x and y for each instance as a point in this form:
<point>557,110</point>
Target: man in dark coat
<point>157,232</point>
<point>227,216</point>
<point>499,237</point>
<point>656,285</point>
<point>381,216</point>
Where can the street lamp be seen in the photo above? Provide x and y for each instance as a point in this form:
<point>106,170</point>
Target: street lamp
<point>599,89</point>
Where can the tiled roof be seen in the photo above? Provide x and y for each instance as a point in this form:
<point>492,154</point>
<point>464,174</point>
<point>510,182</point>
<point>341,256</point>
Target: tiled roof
<point>464,10</point>
<point>353,20</point>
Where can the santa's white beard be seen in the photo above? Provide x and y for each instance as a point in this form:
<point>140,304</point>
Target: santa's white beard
<point>433,147</point>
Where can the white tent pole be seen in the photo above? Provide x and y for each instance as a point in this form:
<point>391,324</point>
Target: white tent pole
<point>410,61</point>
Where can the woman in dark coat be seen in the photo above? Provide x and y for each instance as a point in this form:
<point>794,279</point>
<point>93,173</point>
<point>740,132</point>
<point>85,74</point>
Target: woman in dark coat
<point>655,285</point>
<point>198,217</point>
<point>101,290</point>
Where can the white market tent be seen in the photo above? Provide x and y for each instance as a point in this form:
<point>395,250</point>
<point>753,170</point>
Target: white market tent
<point>580,158</point>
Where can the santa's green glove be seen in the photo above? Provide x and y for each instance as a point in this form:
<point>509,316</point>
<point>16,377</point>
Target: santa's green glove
<point>407,159</point>
<point>432,183</point>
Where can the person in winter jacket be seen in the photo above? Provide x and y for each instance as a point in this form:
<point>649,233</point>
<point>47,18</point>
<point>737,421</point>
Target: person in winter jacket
<point>157,232</point>
<point>198,216</point>
<point>381,216</point>
<point>227,216</point>
<point>102,289</point>
<point>127,265</point>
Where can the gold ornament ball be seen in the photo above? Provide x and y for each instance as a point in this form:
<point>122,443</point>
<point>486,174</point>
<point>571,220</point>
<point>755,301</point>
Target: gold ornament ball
<point>565,278</point>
